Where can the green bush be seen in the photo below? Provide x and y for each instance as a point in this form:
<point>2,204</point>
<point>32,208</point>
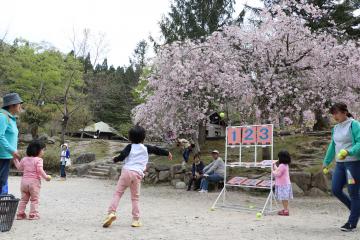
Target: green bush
<point>52,158</point>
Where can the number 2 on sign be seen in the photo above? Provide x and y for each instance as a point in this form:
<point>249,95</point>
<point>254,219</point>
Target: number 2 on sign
<point>249,135</point>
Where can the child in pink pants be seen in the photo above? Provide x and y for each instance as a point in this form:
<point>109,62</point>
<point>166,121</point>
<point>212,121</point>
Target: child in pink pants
<point>32,168</point>
<point>136,156</point>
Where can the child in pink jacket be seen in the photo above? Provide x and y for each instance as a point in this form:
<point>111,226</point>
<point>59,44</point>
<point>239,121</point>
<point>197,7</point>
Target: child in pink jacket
<point>32,168</point>
<point>283,188</point>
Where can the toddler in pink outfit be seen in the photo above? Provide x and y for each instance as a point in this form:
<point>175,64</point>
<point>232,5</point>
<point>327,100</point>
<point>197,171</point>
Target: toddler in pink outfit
<point>32,168</point>
<point>283,188</point>
<point>136,157</point>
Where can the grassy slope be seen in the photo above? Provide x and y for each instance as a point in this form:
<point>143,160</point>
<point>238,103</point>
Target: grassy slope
<point>52,152</point>
<point>289,143</point>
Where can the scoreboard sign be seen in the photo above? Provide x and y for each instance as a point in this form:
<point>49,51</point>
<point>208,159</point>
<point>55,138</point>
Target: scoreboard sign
<point>247,135</point>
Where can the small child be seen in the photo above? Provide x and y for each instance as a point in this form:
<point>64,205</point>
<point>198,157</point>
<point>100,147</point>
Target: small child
<point>197,171</point>
<point>136,156</point>
<point>32,168</point>
<point>283,189</point>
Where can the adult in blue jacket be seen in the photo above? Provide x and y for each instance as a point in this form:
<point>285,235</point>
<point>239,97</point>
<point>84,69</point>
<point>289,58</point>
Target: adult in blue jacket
<point>345,148</point>
<point>8,135</point>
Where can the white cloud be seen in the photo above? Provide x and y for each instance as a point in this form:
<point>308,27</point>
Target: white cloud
<point>124,22</point>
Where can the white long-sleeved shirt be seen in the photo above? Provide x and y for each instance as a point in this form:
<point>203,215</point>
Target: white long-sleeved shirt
<point>136,156</point>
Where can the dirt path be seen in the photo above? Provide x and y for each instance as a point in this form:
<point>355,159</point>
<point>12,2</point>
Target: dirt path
<point>75,209</point>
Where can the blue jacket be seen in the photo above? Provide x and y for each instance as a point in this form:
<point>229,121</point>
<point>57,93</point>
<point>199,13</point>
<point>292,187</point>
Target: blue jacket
<point>197,168</point>
<point>8,135</point>
<point>354,151</point>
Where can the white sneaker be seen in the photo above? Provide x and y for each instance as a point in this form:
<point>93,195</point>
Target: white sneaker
<point>203,191</point>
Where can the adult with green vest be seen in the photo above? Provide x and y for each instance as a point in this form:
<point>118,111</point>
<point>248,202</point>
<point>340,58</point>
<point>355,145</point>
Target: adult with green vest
<point>345,148</point>
<point>8,135</point>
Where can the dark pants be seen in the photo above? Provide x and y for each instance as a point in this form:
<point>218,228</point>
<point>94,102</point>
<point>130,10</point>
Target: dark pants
<point>4,172</point>
<point>186,154</point>
<point>62,171</point>
<point>340,179</point>
<point>197,182</point>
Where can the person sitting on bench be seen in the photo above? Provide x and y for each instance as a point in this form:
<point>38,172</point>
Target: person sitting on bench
<point>214,172</point>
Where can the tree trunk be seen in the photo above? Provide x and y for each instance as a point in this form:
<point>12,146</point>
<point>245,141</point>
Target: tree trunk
<point>321,122</point>
<point>202,133</point>
<point>301,119</point>
<point>197,145</point>
<point>199,137</point>
<point>63,128</point>
<point>281,122</point>
<point>266,153</point>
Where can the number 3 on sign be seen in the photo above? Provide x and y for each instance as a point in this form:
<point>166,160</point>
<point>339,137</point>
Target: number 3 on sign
<point>264,134</point>
<point>249,135</point>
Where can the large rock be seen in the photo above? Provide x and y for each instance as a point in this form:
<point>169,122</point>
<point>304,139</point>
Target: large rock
<point>113,173</point>
<point>56,138</point>
<point>179,176</point>
<point>85,158</point>
<point>176,169</point>
<point>175,181</point>
<point>180,185</point>
<point>150,177</point>
<point>51,141</point>
<point>316,192</point>
<point>44,137</point>
<point>81,170</point>
<point>160,168</point>
<point>151,168</point>
<point>297,191</point>
<point>302,179</point>
<point>164,176</point>
<point>321,181</point>
<point>26,138</point>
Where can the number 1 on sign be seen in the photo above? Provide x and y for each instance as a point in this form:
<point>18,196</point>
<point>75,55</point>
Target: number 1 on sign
<point>234,136</point>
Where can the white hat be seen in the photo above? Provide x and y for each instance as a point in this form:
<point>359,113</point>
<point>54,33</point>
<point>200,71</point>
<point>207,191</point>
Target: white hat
<point>215,151</point>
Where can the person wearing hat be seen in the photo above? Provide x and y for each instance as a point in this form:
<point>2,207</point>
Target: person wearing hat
<point>64,157</point>
<point>8,136</point>
<point>214,172</point>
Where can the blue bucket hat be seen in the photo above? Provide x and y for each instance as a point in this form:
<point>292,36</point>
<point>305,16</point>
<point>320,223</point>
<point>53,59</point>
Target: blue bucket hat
<point>11,99</point>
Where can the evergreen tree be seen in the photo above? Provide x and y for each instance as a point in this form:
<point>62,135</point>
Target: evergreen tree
<point>195,18</point>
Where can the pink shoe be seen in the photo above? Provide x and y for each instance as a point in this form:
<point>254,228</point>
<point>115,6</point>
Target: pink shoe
<point>34,217</point>
<point>20,216</point>
<point>283,213</point>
